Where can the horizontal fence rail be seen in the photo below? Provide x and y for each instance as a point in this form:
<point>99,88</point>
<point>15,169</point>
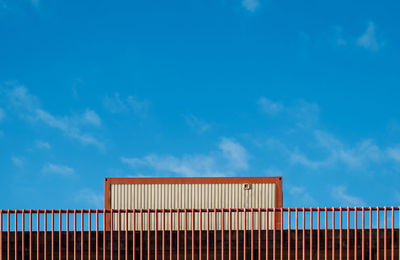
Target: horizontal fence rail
<point>258,233</point>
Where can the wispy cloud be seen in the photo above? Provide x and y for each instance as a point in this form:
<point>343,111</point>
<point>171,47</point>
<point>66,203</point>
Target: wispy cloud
<point>269,107</point>
<point>57,169</point>
<point>42,144</point>
<point>251,5</point>
<point>368,39</point>
<point>91,117</point>
<point>17,161</point>
<point>234,153</point>
<point>300,197</point>
<point>116,104</point>
<point>90,197</point>
<point>343,198</point>
<point>197,124</point>
<point>358,156</point>
<point>29,108</point>
<point>229,159</point>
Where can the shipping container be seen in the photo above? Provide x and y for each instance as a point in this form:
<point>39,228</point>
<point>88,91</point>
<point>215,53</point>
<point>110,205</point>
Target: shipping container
<point>194,193</point>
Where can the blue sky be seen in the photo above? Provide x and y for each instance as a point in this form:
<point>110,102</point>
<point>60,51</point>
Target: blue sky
<point>307,90</point>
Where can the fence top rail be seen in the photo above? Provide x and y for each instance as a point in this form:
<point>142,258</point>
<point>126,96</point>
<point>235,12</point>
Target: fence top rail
<point>211,210</point>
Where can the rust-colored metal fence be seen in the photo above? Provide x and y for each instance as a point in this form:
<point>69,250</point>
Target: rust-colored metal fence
<point>303,233</point>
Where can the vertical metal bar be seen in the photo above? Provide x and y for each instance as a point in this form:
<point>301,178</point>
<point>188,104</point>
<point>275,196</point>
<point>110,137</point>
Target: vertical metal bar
<point>37,234</point>
<point>318,231</point>
<point>392,246</point>
<point>348,233</point>
<point>163,234</point>
<point>200,231</point>
<point>288,233</point>
<point>208,235</point>
<point>185,234</point>
<point>311,232</point>
<point>304,234</point>
<point>59,233</point>
<point>244,234</point>
<point>222,232</point>
<point>23,236</point>
<point>97,234</point>
<point>230,235</point>
<point>74,234</point>
<point>148,234</point>
<point>30,234</point>
<point>156,231</point>
<point>193,227</point>
<point>104,234</point>
<point>252,234</point>
<point>112,234</point>
<point>363,234</point>
<point>52,234</point>
<point>377,233</point>
<point>333,232</point>
<point>274,234</point>
<point>266,234</point>
<point>355,233</point>
<point>385,234</point>
<point>8,235</point>
<point>134,234</point>
<point>89,234</point>
<point>67,242</point>
<point>45,235</point>
<point>237,234</point>
<point>119,234</point>
<point>170,235</point>
<point>126,234</point>
<point>82,231</point>
<point>281,234</point>
<point>341,234</point>
<point>215,234</point>
<point>178,228</point>
<point>297,235</point>
<point>259,234</point>
<point>141,234</point>
<point>326,234</point>
<point>1,234</point>
<point>370,233</point>
<point>15,235</point>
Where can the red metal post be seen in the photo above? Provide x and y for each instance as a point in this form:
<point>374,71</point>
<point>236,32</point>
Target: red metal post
<point>318,231</point>
<point>341,234</point>
<point>244,234</point>
<point>363,234</point>
<point>348,233</point>
<point>215,234</point>
<point>126,234</point>
<point>237,234</point>
<point>59,233</point>
<point>82,231</point>
<point>30,234</point>
<point>193,227</point>
<point>112,234</point>
<point>104,234</point>
<point>326,233</point>
<point>288,233</point>
<point>370,234</point>
<point>141,234</point>
<point>392,246</point>
<point>200,231</point>
<point>156,231</point>
<point>311,231</point>
<point>304,234</point>
<point>89,234</point>
<point>119,234</point>
<point>177,234</point>
<point>385,234</point>
<point>134,234</point>
<point>281,234</point>
<point>148,234</point>
<point>74,234</point>
<point>163,234</point>
<point>355,233</point>
<point>1,234</point>
<point>23,235</point>
<point>266,234</point>
<point>97,234</point>
<point>259,233</point>
<point>333,231</point>
<point>170,235</point>
<point>377,232</point>
<point>222,233</point>
<point>52,234</point>
<point>252,234</point>
<point>230,235</point>
<point>15,235</point>
<point>37,234</point>
<point>296,255</point>
<point>67,242</point>
<point>185,234</point>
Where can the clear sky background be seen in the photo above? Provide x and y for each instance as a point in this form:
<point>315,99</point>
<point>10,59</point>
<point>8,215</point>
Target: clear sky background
<point>307,90</point>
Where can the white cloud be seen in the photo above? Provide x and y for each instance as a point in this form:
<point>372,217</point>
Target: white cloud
<point>251,5</point>
<point>339,193</point>
<point>198,125</point>
<point>368,39</point>
<point>2,114</point>
<point>234,153</point>
<point>394,153</point>
<point>91,117</point>
<point>17,161</point>
<point>57,169</point>
<point>90,197</point>
<point>300,197</point>
<point>42,145</point>
<point>358,156</point>
<point>115,104</point>
<point>230,158</point>
<point>29,108</point>
<point>269,107</point>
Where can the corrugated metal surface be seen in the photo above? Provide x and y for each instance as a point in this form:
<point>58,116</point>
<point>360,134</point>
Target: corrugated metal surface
<point>189,196</point>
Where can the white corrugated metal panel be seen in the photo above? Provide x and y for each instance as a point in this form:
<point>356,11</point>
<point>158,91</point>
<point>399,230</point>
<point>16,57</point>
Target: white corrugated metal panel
<point>188,196</point>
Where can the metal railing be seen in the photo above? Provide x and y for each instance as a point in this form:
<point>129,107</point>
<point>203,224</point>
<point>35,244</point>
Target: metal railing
<point>284,233</point>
